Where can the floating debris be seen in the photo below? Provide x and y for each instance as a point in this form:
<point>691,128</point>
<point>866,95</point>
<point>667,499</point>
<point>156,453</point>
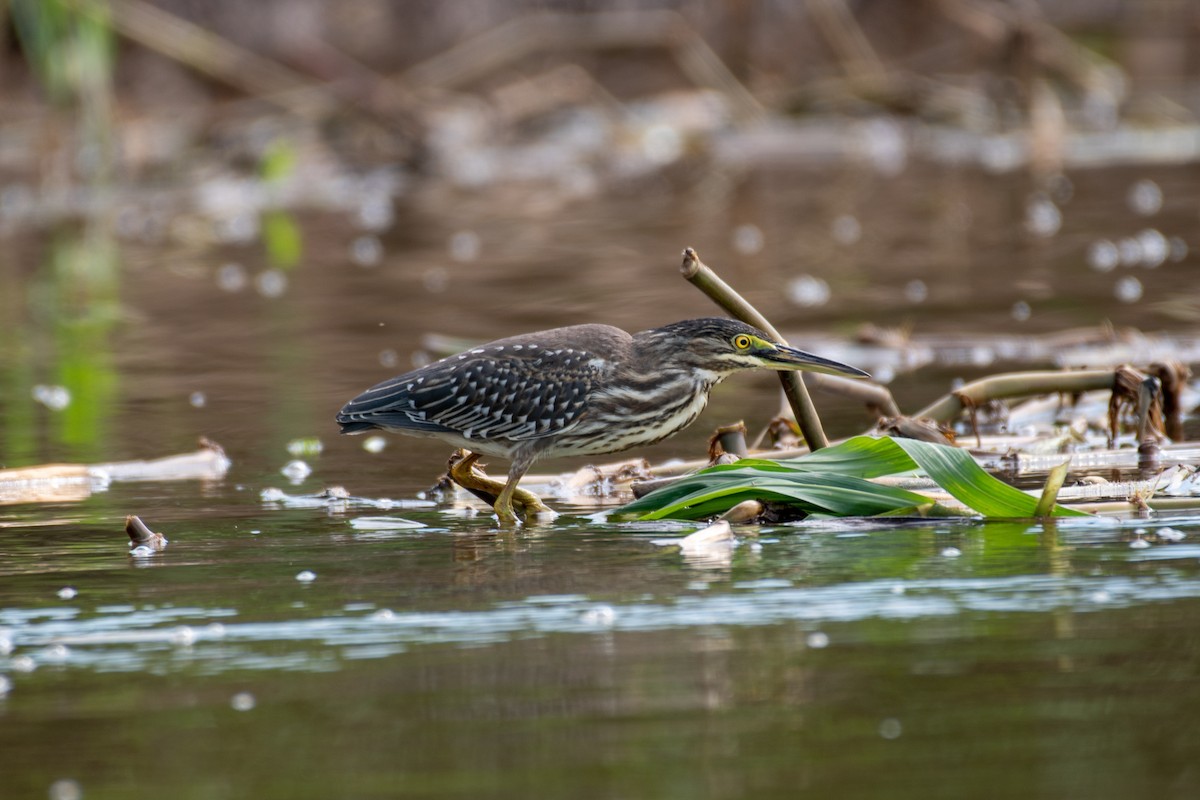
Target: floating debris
<point>141,538</point>
<point>243,701</point>
<point>67,593</point>
<point>374,444</point>
<point>337,497</point>
<point>306,576</point>
<point>384,524</point>
<point>197,400</point>
<point>817,640</point>
<point>296,471</point>
<point>951,552</point>
<point>55,398</point>
<point>601,616</point>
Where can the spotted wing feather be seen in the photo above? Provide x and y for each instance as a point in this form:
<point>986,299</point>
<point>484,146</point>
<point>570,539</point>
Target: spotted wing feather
<point>489,393</point>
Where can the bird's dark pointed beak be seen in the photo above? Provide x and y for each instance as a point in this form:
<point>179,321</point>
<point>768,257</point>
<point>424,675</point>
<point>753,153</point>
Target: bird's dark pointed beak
<point>784,358</point>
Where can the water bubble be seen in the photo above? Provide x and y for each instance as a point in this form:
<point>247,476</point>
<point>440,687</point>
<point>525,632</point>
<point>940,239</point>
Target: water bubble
<point>183,636</point>
<point>1042,217</point>
<point>808,291</point>
<point>662,143</point>
<point>1103,255</point>
<point>296,471</point>
<point>1171,534</point>
<point>817,640</point>
<point>846,229</point>
<point>1155,247</point>
<point>601,616</point>
<point>271,283</point>
<point>243,701</point>
<point>436,279</point>
<point>1061,189</point>
<point>915,291</point>
<point>465,246</point>
<point>1179,249</point>
<point>1130,250</point>
<point>231,277</point>
<point>65,789</point>
<point>67,593</point>
<point>142,551</point>
<point>890,728</point>
<point>374,444</point>
<point>375,213</point>
<point>1145,198</point>
<point>1021,311</point>
<point>1139,544</point>
<point>215,630</point>
<point>748,239</point>
<point>886,146</point>
<point>55,398</point>
<point>383,615</point>
<point>238,229</point>
<point>56,653</point>
<point>306,576</point>
<point>308,446</point>
<point>22,664</point>
<point>951,552</point>
<point>6,643</point>
<point>1100,596</point>
<point>1128,289</point>
<point>197,399</point>
<point>388,358</point>
<point>366,251</point>
<point>5,685</point>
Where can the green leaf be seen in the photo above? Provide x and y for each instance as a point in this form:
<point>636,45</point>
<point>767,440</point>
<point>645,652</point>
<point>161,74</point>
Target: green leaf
<point>833,481</point>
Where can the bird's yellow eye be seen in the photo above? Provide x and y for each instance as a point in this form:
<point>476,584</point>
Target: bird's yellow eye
<point>741,341</point>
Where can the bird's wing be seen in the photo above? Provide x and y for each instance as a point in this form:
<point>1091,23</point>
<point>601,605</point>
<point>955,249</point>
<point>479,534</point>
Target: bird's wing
<point>483,394</point>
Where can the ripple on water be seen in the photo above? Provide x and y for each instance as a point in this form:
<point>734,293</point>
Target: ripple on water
<point>129,640</point>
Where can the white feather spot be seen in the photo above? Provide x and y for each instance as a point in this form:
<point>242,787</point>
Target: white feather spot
<point>517,347</point>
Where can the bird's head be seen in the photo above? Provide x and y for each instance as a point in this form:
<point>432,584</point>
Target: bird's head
<point>723,346</point>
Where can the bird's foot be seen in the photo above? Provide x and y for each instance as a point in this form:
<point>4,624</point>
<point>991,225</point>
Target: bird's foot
<point>464,470</point>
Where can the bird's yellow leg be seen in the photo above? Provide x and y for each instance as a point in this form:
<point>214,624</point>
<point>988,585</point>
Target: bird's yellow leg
<point>502,495</point>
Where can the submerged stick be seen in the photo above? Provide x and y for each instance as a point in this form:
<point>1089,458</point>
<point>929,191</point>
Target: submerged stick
<point>707,281</point>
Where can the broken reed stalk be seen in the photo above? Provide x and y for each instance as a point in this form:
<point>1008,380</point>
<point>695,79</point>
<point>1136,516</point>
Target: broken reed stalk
<point>1015,384</point>
<point>707,281</point>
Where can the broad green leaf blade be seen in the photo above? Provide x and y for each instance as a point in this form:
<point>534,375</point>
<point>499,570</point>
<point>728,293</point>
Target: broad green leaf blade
<point>833,481</point>
<point>708,492</point>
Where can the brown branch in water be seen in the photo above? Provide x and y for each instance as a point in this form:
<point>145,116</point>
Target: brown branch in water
<point>141,535</point>
<point>1015,384</point>
<point>729,439</point>
<point>707,281</point>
